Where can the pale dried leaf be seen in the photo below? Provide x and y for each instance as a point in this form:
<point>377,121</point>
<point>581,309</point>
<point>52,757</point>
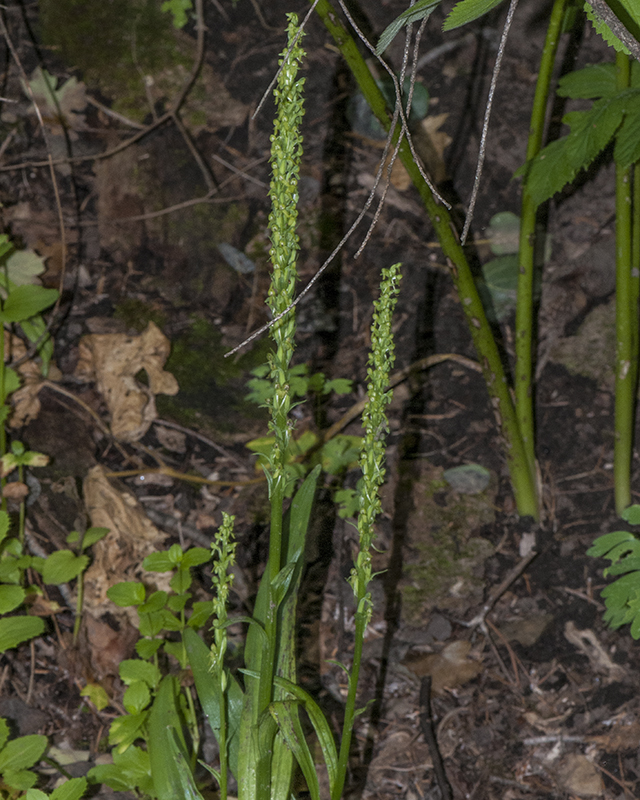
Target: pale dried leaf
<point>113,360</point>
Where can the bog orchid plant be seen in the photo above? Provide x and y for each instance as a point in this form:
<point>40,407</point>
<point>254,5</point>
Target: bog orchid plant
<point>255,714</point>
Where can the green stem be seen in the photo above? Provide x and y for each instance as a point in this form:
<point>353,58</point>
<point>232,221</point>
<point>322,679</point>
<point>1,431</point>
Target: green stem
<point>527,249</point>
<point>350,705</point>
<point>635,269</point>
<point>626,322</point>
<point>3,413</point>
<point>222,741</point>
<point>522,479</point>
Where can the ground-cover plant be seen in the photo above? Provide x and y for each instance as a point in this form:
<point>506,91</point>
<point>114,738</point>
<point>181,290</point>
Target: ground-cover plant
<point>622,597</point>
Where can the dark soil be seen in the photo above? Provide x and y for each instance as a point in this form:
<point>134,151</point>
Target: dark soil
<point>546,708</point>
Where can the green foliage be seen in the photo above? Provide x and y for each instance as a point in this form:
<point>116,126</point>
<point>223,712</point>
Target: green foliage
<point>614,115</point>
<point>622,597</point>
<point>17,756</point>
<point>627,12</point>
<point>417,12</point>
<point>468,10</point>
<point>179,10</point>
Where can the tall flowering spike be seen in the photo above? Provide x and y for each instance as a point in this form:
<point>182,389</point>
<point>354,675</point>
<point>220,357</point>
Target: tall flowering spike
<point>286,152</point>
<point>374,420</point>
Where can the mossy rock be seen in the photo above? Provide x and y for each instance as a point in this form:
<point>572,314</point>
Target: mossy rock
<point>444,555</point>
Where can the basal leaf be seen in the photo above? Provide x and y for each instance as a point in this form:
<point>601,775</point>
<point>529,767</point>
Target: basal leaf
<point>466,11</point>
<point>285,714</point>
<point>417,12</point>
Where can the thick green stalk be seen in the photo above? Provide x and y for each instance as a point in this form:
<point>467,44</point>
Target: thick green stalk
<point>528,250</point>
<point>522,479</point>
<point>626,323</point>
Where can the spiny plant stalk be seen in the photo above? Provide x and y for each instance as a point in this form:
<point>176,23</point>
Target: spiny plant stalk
<point>223,551</point>
<point>374,419</point>
<point>286,152</point>
<point>522,478</point>
<point>528,249</point>
<point>626,322</point>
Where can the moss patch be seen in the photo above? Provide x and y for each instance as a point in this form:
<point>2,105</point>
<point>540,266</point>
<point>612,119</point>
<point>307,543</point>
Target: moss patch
<point>444,556</point>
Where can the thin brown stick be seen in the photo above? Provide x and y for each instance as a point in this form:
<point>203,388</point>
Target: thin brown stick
<point>428,731</point>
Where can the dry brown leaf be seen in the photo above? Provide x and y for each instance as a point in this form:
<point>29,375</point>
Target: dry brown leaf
<point>118,557</point>
<point>587,642</point>
<point>577,775</point>
<point>448,669</point>
<point>174,441</point>
<point>113,360</point>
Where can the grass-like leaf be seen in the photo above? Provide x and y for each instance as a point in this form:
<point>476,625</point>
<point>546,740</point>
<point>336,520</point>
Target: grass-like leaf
<point>417,12</point>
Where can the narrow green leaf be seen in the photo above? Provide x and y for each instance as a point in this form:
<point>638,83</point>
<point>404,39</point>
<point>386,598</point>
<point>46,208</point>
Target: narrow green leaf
<point>468,10</point>
<point>4,732</point>
<point>290,728</point>
<point>209,695</point>
<point>417,12</point>
<point>320,725</point>
<point>167,748</point>
<point>73,789</point>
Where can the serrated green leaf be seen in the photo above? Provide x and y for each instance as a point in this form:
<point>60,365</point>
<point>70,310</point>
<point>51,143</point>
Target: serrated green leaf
<point>127,593</point>
<point>196,556</point>
<point>19,779</point>
<point>417,12</point>
<point>130,771</point>
<point>23,752</point>
<point>26,301</point>
<point>4,732</point>
<point>631,514</point>
<point>136,697</point>
<point>125,730</point>
<point>132,670</point>
<point>596,80</point>
<point>158,562</point>
<point>10,597</point>
<point>15,630</point>
<point>97,695</point>
<point>35,794</point>
<point>603,544</point>
<point>468,10</point>
<point>147,648</point>
<point>151,623</point>
<point>155,602</point>
<point>627,149</point>
<point>63,566</point>
<point>23,266</point>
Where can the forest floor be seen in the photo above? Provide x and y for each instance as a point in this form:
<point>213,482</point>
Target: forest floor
<point>539,702</point>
